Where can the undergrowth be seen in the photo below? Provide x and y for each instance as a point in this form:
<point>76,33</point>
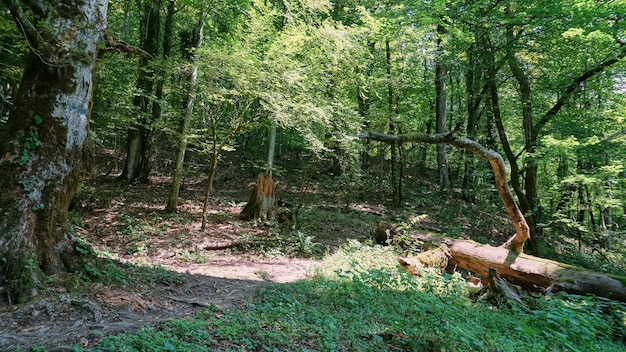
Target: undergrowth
<point>352,303</point>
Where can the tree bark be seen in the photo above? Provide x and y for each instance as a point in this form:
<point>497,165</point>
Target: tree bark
<point>440,113</point>
<point>139,142</point>
<point>522,233</point>
<point>395,177</point>
<point>172,201</point>
<point>261,202</point>
<point>271,149</point>
<point>531,273</point>
<point>530,205</point>
<point>44,147</point>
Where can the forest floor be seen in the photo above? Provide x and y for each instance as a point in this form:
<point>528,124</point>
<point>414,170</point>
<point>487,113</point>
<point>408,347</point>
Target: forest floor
<point>158,267</point>
<point>161,270</point>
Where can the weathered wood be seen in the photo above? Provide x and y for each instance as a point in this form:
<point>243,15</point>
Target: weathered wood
<point>261,202</point>
<point>531,273</point>
<point>522,231</point>
<point>497,284</point>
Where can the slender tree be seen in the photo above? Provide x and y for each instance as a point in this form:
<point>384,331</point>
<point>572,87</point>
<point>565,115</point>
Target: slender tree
<point>172,201</point>
<point>441,112</point>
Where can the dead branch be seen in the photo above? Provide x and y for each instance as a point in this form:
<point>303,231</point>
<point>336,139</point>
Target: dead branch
<point>116,45</point>
<point>522,231</point>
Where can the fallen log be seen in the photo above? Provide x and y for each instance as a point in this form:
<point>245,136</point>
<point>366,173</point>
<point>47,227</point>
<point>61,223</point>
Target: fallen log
<point>534,273</point>
<point>531,273</point>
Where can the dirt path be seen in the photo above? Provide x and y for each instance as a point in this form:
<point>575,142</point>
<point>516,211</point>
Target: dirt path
<point>59,320</point>
<point>127,224</point>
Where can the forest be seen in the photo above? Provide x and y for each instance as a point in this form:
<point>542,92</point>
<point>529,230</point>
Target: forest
<point>306,175</point>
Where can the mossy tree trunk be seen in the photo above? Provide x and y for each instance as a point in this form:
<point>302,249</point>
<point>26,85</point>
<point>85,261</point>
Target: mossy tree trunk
<point>44,147</point>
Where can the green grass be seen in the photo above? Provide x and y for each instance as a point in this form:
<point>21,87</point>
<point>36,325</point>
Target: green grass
<point>353,304</point>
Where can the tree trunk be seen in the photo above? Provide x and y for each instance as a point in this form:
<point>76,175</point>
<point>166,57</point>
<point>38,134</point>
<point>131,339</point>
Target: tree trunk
<point>209,186</point>
<point>440,113</point>
<point>532,273</point>
<point>271,149</point>
<point>530,206</point>
<point>395,177</point>
<point>238,118</point>
<point>44,147</point>
<point>261,202</point>
<point>172,201</point>
<point>474,79</point>
<point>139,142</point>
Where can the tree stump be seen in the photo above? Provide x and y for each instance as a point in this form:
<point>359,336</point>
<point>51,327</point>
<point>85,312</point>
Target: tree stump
<point>261,202</point>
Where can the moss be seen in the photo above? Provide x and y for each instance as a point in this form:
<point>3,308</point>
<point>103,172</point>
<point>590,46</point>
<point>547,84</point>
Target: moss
<point>23,278</point>
<point>621,279</point>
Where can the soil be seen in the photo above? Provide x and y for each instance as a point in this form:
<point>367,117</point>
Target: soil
<point>167,271</point>
<point>162,266</point>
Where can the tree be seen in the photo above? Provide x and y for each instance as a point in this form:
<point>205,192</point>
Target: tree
<point>45,144</point>
<point>139,141</point>
<point>522,233</point>
<point>441,113</point>
<point>612,52</point>
<point>172,200</point>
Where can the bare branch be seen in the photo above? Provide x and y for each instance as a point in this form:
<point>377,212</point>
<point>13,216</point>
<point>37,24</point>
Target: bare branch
<point>522,231</point>
<point>572,87</point>
<point>116,45</point>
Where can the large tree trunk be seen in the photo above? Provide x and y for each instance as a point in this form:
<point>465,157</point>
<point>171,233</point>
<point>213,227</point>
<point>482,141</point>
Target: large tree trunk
<point>44,146</point>
<point>532,273</point>
<point>535,273</point>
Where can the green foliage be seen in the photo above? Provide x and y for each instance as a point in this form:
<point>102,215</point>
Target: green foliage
<point>291,244</point>
<point>13,50</point>
<point>30,141</point>
<point>137,233</point>
<point>175,335</point>
<point>315,219</point>
<point>576,321</point>
<point>194,256</point>
<point>369,308</point>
